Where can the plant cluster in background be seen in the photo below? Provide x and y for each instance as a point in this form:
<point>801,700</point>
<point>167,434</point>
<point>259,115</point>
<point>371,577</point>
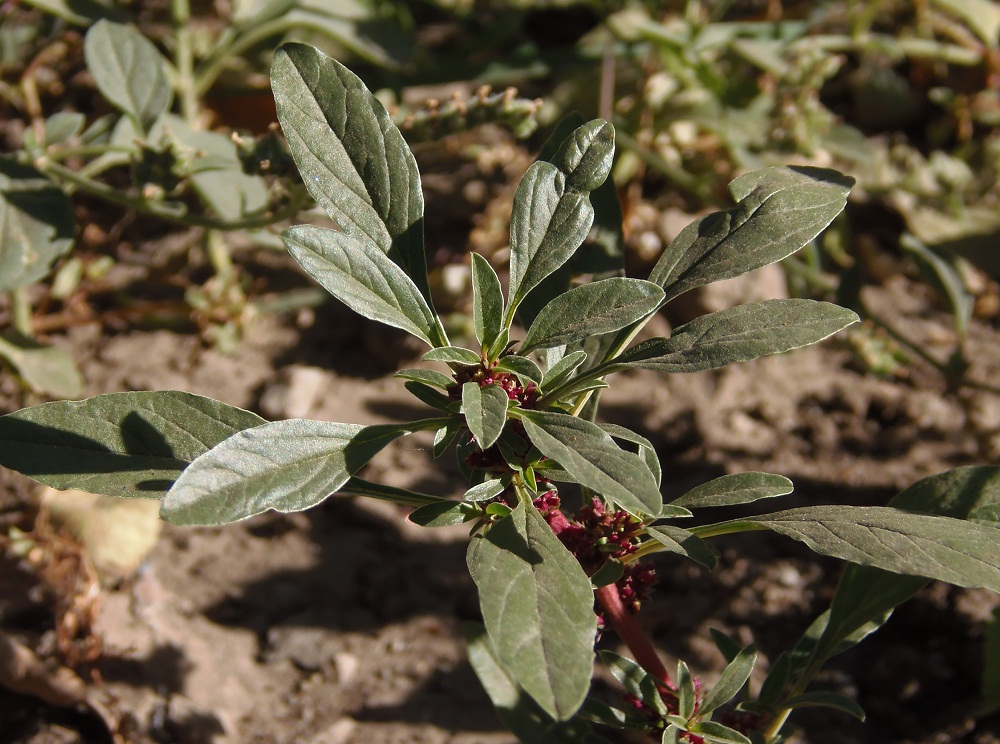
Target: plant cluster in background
<point>901,95</point>
<point>564,511</point>
<point>139,122</point>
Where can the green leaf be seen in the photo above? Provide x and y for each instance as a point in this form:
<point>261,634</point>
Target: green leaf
<point>487,302</point>
<point>36,224</point>
<point>286,466</point>
<point>524,368</point>
<point>46,369</point>
<point>521,715</point>
<point>866,596</point>
<point>634,679</point>
<point>592,309</point>
<point>122,444</point>
<point>726,644</point>
<point>538,608</point>
<point>778,211</point>
<point>941,271</point>
<point>452,355</point>
<point>734,676</point>
<point>587,453</point>
<point>62,126</point>
<point>444,437</point>
<point>485,409</point>
<point>943,548</point>
<point>128,70</point>
<point>687,697</point>
<point>426,376</point>
<point>499,346</point>
<point>575,147</point>
<point>430,396</point>
<point>559,372</point>
<point>738,488</point>
<point>681,541</point>
<point>443,514</point>
<point>549,221</point>
<point>585,156</point>
<point>954,493</point>
<point>217,175</point>
<point>80,12</point>
<point>739,334</point>
<point>864,600</point>
<point>982,16</point>
<point>363,278</point>
<point>646,451</point>
<point>777,678</point>
<point>485,491</point>
<point>404,496</point>
<point>601,712</point>
<point>352,158</point>
<point>582,385</point>
<point>716,733</point>
<point>672,734</point>
<point>825,699</point>
<point>986,513</point>
<point>608,573</point>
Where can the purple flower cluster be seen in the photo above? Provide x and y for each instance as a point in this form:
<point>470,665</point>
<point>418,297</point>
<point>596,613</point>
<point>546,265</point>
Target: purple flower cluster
<point>596,534</point>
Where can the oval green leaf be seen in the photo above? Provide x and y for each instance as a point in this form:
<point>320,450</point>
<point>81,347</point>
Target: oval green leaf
<point>443,514</point>
<point>585,156</point>
<point>738,488</point>
<point>734,676</point>
<point>452,355</point>
<point>427,376</point>
<point>538,608</point>
<point>683,542</point>
<point>362,277</point>
<point>778,211</point>
<point>128,70</point>
<point>485,409</point>
<point>133,445</point>
<point>548,223</point>
<point>286,466</point>
<point>590,455</point>
<point>952,550</point>
<point>739,334</point>
<point>590,310</point>
<point>487,302</point>
<point>524,368</point>
<point>46,369</point>
<point>352,158</point>
<point>36,224</point>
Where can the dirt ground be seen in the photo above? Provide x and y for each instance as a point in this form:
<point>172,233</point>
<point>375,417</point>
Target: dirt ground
<point>342,625</point>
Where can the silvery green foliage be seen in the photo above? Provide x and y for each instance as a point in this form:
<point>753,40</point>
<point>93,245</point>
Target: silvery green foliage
<point>510,407</point>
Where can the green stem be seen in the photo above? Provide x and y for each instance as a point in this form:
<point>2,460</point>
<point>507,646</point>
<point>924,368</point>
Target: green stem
<point>86,151</point>
<point>223,55</point>
<point>178,214</point>
<point>649,547</point>
<point>184,61</point>
<point>218,255</point>
<point>774,728</point>
<point>21,310</point>
<point>359,487</point>
<point>810,275</point>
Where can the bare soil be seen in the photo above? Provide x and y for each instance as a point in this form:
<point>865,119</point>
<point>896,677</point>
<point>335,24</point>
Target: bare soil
<point>342,625</point>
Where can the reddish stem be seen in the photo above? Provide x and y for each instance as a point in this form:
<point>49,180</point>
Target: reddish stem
<point>628,630</point>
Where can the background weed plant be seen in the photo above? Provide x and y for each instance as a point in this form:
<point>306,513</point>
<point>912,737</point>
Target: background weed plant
<point>169,80</point>
<point>564,511</point>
